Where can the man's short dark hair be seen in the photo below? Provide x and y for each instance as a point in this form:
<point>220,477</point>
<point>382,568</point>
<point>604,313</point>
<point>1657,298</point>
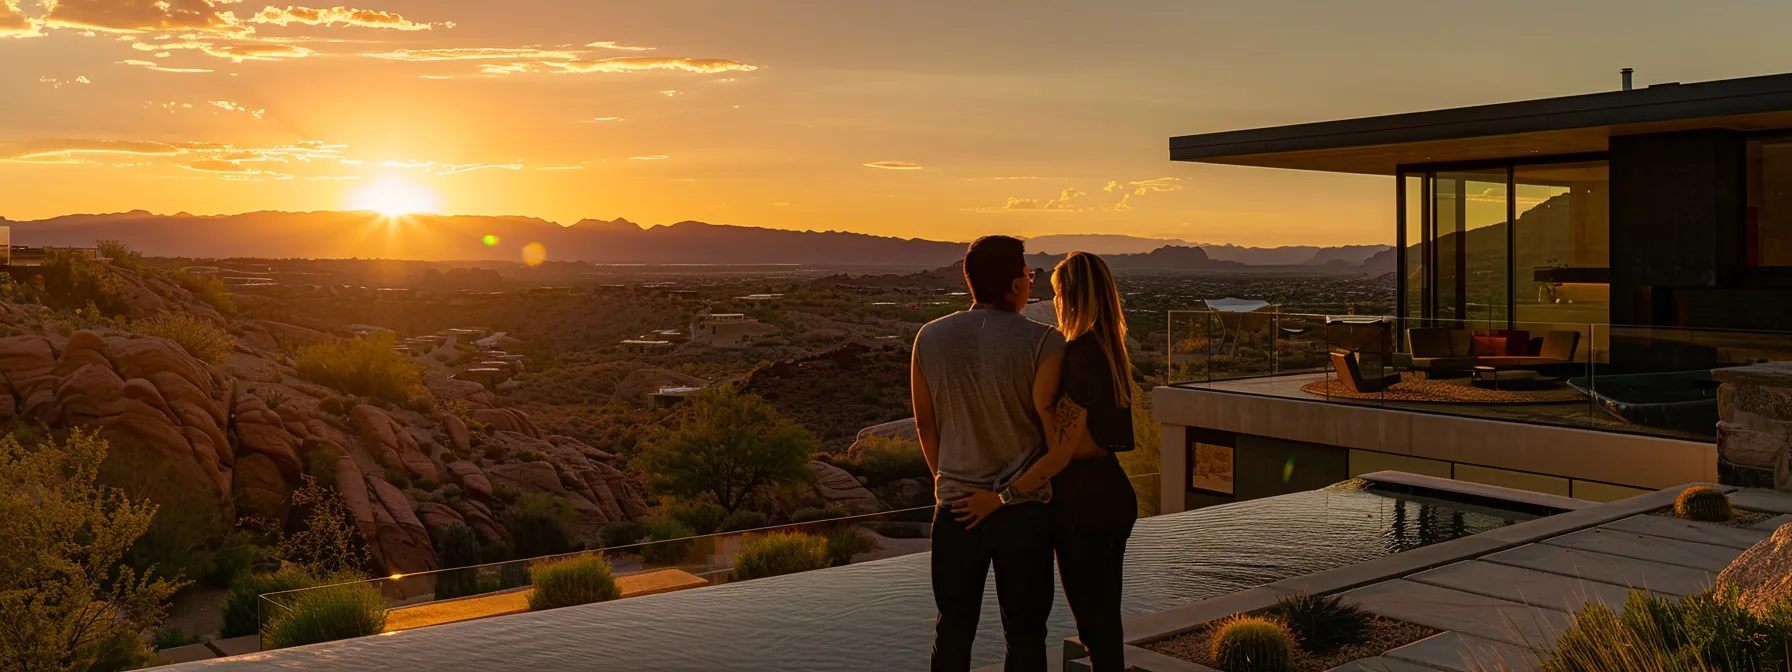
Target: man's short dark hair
<point>991,264</point>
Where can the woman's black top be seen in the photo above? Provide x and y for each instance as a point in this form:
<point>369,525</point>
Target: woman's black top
<point>1088,380</point>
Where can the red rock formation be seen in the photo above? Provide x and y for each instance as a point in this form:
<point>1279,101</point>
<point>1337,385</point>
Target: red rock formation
<point>507,420</point>
<point>390,443</point>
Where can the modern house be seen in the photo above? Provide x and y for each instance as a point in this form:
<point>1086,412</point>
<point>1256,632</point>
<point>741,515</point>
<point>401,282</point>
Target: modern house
<point>1645,234</point>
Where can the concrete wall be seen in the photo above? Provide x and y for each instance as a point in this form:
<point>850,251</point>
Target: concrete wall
<point>1570,462</point>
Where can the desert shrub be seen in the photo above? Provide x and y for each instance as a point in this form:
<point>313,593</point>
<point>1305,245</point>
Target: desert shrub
<point>1709,632</point>
<point>744,520</point>
<point>573,581</point>
<point>122,651</point>
<point>273,398</point>
<point>168,638</point>
<point>1703,502</point>
<point>72,280</point>
<point>189,523</point>
<point>622,533</point>
<point>847,541</point>
<point>1321,624</point>
<point>540,524</point>
<point>327,614</point>
<point>882,459</point>
<point>1253,644</point>
<point>457,546</point>
<point>668,542</point>
<point>330,541</point>
<point>241,552</point>
<point>778,553</point>
<point>64,589</point>
<point>338,404</point>
<point>207,288</point>
<point>429,484</point>
<point>398,477</point>
<point>701,517</point>
<point>199,337</point>
<point>812,514</point>
<point>242,602</point>
<point>506,495</point>
<point>532,456</point>
<point>365,366</point>
<point>121,255</point>
<point>726,448</point>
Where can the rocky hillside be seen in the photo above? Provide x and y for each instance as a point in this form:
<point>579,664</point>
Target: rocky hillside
<point>236,437</point>
<point>838,392</point>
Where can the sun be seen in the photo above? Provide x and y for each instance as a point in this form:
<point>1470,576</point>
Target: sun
<point>394,197</point>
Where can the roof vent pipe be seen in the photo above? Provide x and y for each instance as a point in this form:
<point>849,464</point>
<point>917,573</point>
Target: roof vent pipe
<point>1626,74</point>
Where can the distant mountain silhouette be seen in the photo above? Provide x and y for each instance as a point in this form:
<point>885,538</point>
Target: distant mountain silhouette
<point>367,235</point>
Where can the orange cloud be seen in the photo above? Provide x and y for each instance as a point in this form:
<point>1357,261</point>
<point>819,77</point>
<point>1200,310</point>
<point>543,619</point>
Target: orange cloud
<point>13,22</point>
<point>129,16</point>
<point>159,68</point>
<point>1065,202</point>
<point>654,157</point>
<point>894,165</point>
<point>455,168</point>
<point>236,52</point>
<point>638,63</point>
<point>236,107</point>
<point>366,18</point>
<point>474,54</point>
<point>66,148</point>
<point>616,47</point>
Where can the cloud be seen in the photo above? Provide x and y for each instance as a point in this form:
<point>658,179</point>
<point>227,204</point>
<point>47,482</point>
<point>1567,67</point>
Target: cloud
<point>321,178</point>
<point>407,163</point>
<point>599,120</point>
<point>236,107</point>
<point>67,148</point>
<point>158,67</point>
<point>237,52</point>
<point>511,69</point>
<point>220,161</point>
<point>59,83</point>
<point>365,18</point>
<point>1065,202</point>
<point>435,76</point>
<point>655,157</point>
<point>641,63</point>
<point>456,168</point>
<point>14,23</point>
<point>1160,184</point>
<point>129,16</point>
<point>893,165</point>
<point>578,167</point>
<point>616,47</point>
<point>474,54</point>
<point>670,92</point>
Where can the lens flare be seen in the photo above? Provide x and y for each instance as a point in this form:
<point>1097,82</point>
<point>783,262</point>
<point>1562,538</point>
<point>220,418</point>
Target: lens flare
<point>534,254</point>
<point>489,240</point>
<point>1288,469</point>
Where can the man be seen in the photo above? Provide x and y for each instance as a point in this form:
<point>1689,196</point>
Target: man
<point>972,384</point>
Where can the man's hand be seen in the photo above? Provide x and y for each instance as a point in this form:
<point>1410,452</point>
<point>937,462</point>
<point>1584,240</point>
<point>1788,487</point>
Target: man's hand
<point>972,508</point>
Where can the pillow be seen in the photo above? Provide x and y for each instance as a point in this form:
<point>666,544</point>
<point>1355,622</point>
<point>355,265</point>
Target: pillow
<point>1489,346</point>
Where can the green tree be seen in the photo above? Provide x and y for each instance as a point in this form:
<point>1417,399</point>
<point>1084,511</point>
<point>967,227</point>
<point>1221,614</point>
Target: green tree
<point>726,447</point>
<point>63,586</point>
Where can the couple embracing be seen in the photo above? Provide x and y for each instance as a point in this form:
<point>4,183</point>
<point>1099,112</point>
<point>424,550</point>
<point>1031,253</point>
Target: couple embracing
<point>1020,422</point>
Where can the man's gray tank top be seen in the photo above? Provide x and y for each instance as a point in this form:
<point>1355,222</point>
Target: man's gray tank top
<point>979,366</point>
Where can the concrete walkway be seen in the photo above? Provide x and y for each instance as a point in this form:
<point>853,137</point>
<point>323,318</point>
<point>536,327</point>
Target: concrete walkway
<point>1500,611</point>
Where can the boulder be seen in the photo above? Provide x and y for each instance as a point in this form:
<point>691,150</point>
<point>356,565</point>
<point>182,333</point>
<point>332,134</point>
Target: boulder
<point>507,420</point>
<point>901,429</point>
<point>390,443</point>
<point>834,486</point>
<point>473,483</point>
<point>395,536</point>
<point>1763,573</point>
<point>436,517</point>
<point>457,433</point>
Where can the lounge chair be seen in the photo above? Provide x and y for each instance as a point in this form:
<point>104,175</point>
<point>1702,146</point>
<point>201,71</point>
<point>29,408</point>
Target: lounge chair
<point>1351,376</point>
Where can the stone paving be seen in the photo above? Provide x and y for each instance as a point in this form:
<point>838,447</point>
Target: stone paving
<point>1498,610</point>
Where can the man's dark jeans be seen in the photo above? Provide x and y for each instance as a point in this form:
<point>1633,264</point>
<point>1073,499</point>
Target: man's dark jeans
<point>1017,540</point>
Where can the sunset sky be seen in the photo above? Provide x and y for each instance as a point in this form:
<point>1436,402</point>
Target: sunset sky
<point>943,119</point>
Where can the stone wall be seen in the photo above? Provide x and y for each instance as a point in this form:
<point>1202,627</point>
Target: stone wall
<point>1754,429</point>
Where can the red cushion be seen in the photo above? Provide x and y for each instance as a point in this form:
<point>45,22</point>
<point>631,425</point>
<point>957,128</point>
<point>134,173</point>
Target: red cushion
<point>1489,346</point>
<point>1518,342</point>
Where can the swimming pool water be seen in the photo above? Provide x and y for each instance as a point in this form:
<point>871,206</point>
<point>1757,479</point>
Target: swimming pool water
<point>879,615</point>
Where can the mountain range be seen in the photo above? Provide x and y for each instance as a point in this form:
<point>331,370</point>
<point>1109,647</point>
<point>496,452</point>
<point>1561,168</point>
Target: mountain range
<point>368,235</point>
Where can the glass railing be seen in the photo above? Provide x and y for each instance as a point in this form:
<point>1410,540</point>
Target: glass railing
<point>452,595</point>
<point>1647,380</point>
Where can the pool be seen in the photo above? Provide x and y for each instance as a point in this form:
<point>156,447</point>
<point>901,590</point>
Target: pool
<point>1682,400</point>
<point>879,615</point>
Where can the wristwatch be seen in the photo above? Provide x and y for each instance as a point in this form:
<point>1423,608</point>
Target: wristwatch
<point>1008,495</point>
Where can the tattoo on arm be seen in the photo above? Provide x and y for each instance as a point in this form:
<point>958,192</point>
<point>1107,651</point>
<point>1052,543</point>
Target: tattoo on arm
<point>1066,416</point>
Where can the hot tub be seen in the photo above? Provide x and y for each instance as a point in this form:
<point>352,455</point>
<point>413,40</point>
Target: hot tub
<point>1679,400</point>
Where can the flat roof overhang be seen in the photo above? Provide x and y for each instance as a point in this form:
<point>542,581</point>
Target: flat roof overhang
<point>1549,126</point>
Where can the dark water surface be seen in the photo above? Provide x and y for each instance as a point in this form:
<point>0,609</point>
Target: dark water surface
<point>879,615</point>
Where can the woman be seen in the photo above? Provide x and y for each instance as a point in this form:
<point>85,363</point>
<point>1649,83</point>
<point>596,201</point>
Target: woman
<point>1084,401</point>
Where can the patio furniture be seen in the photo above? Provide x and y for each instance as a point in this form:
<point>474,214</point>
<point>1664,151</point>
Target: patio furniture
<point>1351,376</point>
<point>1511,379</point>
<point>1441,351</point>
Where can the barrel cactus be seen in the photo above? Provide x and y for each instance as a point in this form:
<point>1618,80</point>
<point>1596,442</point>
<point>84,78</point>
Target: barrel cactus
<point>1253,644</point>
<point>1703,502</point>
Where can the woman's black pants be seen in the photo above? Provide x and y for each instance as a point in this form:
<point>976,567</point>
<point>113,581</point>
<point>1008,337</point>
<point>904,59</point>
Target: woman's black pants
<point>1092,512</point>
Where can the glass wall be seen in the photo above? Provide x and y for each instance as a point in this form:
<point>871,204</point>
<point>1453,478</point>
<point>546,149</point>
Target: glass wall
<point>1562,244</point>
<point>1465,263</point>
<point>1770,202</point>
